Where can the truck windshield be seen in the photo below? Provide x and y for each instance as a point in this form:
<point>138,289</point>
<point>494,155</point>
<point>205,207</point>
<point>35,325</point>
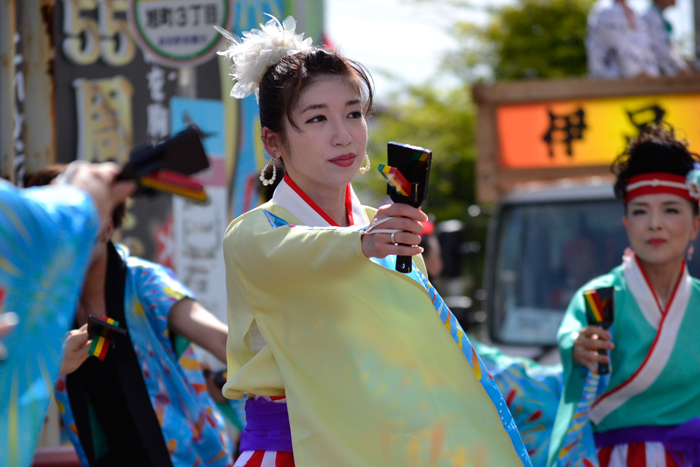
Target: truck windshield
<point>544,253</point>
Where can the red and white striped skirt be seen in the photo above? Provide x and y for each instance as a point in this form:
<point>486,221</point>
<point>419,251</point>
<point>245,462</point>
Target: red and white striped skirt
<point>649,454</point>
<point>265,459</point>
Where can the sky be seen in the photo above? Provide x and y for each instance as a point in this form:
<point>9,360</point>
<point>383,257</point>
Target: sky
<point>408,38</point>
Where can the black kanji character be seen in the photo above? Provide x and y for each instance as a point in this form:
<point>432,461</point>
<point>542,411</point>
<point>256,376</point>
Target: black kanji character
<point>569,128</point>
<point>642,118</point>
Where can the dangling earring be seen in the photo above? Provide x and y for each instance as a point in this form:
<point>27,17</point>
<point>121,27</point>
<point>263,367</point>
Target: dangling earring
<point>272,179</point>
<point>689,253</point>
<point>365,169</point>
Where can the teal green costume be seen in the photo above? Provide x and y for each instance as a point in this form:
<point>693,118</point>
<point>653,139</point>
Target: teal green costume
<point>654,366</point>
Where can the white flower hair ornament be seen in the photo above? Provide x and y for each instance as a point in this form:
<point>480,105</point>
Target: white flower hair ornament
<point>260,49</point>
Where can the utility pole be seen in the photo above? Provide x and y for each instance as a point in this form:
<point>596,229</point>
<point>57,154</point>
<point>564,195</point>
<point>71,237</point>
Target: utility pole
<point>8,24</point>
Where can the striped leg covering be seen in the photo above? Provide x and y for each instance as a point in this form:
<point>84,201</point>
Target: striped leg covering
<point>265,459</point>
<point>649,454</point>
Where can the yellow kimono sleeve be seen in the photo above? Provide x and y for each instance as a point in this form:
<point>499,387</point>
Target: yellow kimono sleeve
<point>281,256</point>
<point>263,263</point>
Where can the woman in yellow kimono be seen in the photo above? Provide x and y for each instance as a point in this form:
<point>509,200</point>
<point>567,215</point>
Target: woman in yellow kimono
<point>345,362</point>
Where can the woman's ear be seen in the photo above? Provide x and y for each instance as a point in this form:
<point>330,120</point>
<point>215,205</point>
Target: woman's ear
<point>624,223</point>
<point>272,142</point>
<point>696,228</point>
<point>107,231</point>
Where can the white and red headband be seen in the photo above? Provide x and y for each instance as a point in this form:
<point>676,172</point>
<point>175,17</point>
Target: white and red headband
<point>661,182</point>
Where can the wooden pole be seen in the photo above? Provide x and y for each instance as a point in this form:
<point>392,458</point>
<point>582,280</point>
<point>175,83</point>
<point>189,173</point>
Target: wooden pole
<point>8,24</point>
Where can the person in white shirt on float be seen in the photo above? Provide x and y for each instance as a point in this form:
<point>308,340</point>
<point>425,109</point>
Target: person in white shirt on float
<point>618,43</point>
<point>670,63</point>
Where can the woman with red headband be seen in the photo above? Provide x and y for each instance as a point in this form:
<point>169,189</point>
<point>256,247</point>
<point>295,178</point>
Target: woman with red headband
<point>645,409</point>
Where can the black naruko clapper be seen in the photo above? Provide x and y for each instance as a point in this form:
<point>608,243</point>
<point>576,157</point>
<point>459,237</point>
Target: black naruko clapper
<point>167,166</point>
<point>407,173</point>
<point>600,311</point>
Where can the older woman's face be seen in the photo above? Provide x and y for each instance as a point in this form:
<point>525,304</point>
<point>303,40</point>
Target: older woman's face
<point>660,226</point>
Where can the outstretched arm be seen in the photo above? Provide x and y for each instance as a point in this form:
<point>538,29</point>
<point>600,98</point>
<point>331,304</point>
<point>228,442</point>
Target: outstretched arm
<point>278,255</point>
<point>195,323</point>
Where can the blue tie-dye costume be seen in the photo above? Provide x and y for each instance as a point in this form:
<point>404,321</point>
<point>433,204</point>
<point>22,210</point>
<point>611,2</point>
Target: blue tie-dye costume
<point>532,392</point>
<point>46,237</point>
<point>192,428</point>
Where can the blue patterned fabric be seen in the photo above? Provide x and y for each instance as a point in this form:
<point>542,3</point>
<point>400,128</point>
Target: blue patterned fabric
<point>480,369</point>
<point>46,237</point>
<point>532,392</point>
<point>579,448</point>
<point>192,427</point>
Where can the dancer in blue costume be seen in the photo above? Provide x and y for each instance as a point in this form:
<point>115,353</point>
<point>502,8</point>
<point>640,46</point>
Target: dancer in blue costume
<point>43,259</point>
<point>146,403</point>
<point>646,412</point>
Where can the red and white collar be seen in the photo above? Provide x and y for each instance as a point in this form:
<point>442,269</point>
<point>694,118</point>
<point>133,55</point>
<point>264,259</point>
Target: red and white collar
<point>290,197</point>
<point>645,296</point>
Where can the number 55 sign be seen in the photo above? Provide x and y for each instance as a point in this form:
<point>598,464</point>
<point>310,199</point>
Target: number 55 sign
<point>89,39</point>
<point>179,32</point>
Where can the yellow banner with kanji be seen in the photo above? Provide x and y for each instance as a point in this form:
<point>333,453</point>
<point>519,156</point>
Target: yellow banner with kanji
<point>588,132</point>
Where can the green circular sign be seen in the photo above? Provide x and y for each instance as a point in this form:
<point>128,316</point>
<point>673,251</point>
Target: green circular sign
<point>179,33</point>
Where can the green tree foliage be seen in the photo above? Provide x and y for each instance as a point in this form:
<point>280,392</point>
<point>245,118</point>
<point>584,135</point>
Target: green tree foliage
<point>443,123</point>
<point>527,40</point>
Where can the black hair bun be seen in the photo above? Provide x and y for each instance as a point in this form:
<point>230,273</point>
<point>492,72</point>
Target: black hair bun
<point>656,149</point>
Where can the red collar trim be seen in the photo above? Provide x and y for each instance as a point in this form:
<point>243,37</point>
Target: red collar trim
<point>317,208</point>
<point>658,331</point>
<point>653,292</point>
<point>348,204</point>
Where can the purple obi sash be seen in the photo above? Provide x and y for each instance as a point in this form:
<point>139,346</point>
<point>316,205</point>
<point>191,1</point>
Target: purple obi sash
<point>683,438</point>
<point>267,426</point>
